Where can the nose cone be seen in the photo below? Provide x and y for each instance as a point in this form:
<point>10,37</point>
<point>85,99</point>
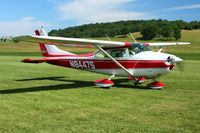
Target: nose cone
<point>177,59</point>
<point>173,59</point>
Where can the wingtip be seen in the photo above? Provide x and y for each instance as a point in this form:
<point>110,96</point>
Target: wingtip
<point>185,43</point>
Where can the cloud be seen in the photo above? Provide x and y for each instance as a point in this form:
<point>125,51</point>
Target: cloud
<point>87,11</point>
<point>186,7</point>
<point>25,25</point>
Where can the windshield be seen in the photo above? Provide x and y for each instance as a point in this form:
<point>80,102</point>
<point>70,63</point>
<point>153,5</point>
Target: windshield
<point>137,48</point>
<point>116,53</point>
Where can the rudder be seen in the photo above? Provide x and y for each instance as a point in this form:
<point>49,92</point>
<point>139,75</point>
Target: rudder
<point>50,50</point>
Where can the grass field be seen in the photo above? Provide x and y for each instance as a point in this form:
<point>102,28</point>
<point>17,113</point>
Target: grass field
<point>44,98</point>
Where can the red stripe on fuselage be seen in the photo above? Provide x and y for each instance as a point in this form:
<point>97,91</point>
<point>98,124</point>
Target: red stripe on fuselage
<point>108,64</point>
<point>70,55</point>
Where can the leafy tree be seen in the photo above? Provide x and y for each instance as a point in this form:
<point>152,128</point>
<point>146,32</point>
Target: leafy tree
<point>167,31</point>
<point>177,32</point>
<point>111,33</point>
<point>149,32</point>
<point>124,31</point>
<point>188,27</point>
<point>124,27</point>
<point>195,24</point>
<point>53,33</point>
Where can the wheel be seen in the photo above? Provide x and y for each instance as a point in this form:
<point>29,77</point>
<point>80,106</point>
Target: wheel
<point>104,83</point>
<point>156,85</point>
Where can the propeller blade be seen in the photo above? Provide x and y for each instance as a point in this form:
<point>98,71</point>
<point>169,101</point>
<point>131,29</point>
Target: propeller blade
<point>180,66</point>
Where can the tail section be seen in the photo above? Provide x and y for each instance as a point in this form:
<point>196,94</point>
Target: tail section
<point>50,50</point>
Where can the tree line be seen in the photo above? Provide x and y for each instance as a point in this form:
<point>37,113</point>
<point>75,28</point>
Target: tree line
<point>149,29</point>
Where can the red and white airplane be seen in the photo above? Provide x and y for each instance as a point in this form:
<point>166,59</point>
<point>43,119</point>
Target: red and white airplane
<point>127,59</point>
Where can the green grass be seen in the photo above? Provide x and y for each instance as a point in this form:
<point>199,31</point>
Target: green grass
<point>44,98</point>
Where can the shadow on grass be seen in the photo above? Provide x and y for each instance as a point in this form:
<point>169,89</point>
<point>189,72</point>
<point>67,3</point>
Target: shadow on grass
<point>71,84</point>
<point>119,83</point>
<point>58,78</point>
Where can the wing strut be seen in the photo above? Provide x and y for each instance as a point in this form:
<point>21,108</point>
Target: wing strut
<point>115,61</point>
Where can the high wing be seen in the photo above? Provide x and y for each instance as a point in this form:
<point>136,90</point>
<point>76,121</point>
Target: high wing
<point>63,40</point>
<point>167,44</point>
<point>85,42</point>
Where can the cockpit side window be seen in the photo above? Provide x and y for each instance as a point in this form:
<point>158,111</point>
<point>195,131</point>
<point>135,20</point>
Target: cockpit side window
<point>100,55</point>
<point>117,53</point>
<point>131,52</point>
<point>137,48</point>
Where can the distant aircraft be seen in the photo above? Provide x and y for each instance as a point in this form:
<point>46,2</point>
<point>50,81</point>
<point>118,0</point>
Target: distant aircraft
<point>133,60</point>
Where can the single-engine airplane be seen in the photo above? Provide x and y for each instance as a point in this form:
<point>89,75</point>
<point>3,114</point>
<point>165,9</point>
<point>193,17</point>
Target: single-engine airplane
<point>133,60</point>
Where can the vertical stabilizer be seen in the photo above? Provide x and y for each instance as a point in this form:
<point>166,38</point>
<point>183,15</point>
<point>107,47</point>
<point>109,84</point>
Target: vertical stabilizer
<point>50,50</point>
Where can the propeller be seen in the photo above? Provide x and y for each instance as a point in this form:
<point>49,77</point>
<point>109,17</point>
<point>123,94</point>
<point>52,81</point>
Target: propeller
<point>180,66</point>
<point>174,60</point>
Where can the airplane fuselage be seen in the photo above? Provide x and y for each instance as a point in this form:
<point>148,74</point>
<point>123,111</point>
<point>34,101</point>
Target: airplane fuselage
<point>145,64</point>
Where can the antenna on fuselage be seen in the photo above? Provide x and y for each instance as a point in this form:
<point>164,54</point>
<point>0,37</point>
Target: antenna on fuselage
<point>133,37</point>
<point>107,37</point>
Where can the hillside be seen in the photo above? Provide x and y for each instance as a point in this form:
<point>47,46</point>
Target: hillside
<point>158,27</point>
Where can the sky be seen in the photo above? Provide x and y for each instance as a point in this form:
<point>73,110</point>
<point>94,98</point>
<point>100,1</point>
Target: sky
<point>20,17</point>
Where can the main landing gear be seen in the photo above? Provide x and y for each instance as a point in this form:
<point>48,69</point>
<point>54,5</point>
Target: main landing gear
<point>137,81</point>
<point>105,83</point>
<point>153,85</point>
<point>156,85</point>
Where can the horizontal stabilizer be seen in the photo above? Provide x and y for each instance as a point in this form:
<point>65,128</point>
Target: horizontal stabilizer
<point>28,60</point>
<point>41,60</point>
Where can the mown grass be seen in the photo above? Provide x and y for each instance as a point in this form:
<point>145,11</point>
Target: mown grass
<point>45,98</point>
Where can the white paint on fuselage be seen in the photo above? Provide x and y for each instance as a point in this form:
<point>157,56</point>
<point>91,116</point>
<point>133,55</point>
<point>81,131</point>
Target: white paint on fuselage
<point>136,72</point>
<point>150,55</point>
<point>143,72</point>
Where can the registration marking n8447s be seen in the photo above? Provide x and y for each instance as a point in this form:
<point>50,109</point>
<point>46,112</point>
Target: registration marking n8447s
<point>82,64</point>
